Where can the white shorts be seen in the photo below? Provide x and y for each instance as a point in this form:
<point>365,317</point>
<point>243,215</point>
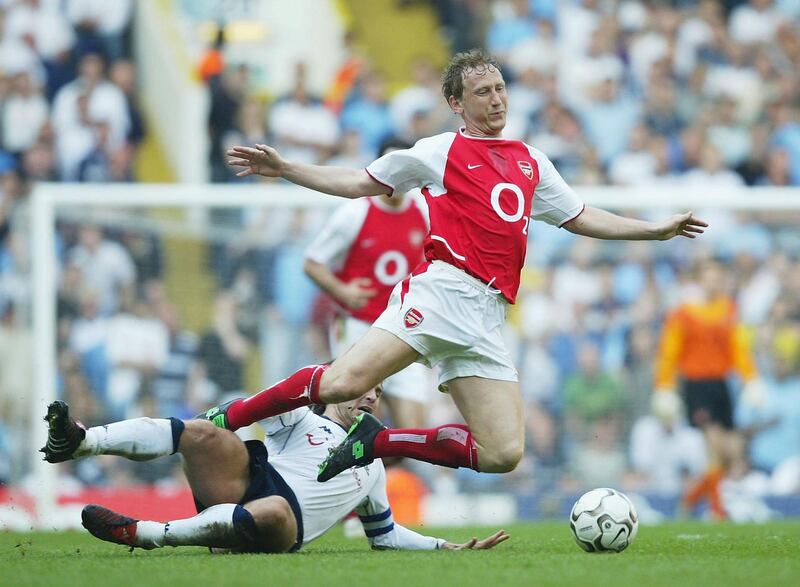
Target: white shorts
<point>411,383</point>
<point>454,321</point>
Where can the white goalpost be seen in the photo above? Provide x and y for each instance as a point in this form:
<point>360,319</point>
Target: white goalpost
<point>49,198</point>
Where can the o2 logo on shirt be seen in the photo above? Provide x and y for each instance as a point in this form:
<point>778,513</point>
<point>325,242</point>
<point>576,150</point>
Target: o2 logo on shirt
<point>497,192</point>
<point>391,267</point>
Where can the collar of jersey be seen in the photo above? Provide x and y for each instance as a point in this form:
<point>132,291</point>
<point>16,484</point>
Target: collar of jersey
<point>471,138</point>
<point>333,421</point>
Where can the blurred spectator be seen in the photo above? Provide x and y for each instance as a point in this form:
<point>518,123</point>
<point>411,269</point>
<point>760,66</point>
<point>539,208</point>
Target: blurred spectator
<point>81,109</point>
<point>608,118</point>
<point>712,173</point>
<point>661,114</point>
<point>106,266</point>
<point>560,135</point>
<point>171,384</point>
<point>123,75</point>
<point>41,26</point>
<point>637,166</point>
<point>592,394</point>
<point>543,447</point>
<point>137,347</point>
<point>369,112</point>
<point>787,137</point>
<point>250,125</point>
<point>101,25</point>
<point>212,63</point>
<point>513,23</point>
<point>728,134</point>
<point>227,96</point>
<point>598,459</point>
<point>303,129</point>
<point>16,372</point>
<point>776,169</point>
<point>774,424</point>
<point>351,152</point>
<point>423,96</point>
<point>219,370</point>
<point>666,454</point>
<point>754,22</point>
<point>88,339</point>
<point>347,75</point>
<point>25,113</point>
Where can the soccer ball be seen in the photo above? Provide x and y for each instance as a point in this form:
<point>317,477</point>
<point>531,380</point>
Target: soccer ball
<point>603,520</point>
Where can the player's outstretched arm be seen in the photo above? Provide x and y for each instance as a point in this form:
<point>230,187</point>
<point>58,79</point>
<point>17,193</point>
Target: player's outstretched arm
<point>337,181</point>
<point>599,223</point>
<point>475,544</point>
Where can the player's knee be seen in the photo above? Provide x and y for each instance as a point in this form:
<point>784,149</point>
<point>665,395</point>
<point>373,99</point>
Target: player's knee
<point>198,435</point>
<point>276,524</point>
<point>502,459</point>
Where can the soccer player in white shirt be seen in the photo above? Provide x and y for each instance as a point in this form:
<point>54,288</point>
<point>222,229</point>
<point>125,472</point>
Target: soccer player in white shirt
<point>251,496</point>
<point>482,191</point>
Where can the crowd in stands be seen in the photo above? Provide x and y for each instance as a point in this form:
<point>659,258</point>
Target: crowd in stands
<point>682,93</point>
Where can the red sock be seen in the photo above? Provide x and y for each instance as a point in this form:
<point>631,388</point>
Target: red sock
<point>450,445</point>
<point>297,390</point>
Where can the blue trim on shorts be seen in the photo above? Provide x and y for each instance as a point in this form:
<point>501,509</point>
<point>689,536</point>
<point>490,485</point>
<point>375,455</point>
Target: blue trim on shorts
<point>264,482</point>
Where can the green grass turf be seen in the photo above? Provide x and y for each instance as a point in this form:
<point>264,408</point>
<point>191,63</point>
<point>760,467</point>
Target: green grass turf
<point>675,555</point>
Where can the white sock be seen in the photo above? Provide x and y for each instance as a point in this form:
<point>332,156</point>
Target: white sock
<point>213,526</point>
<point>140,439</point>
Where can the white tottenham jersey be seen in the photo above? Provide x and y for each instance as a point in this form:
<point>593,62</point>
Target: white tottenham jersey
<point>298,442</point>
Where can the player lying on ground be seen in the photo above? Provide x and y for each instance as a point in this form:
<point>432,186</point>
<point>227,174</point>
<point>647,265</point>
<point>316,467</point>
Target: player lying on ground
<point>252,496</point>
<point>482,192</point>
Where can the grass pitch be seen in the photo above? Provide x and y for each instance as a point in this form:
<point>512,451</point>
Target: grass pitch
<point>684,554</point>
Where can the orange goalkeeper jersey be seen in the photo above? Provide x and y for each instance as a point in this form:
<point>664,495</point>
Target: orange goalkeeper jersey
<point>703,341</point>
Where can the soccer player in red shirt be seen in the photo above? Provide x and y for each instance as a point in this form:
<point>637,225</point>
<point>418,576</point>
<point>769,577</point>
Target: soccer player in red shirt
<point>481,190</point>
<point>366,248</point>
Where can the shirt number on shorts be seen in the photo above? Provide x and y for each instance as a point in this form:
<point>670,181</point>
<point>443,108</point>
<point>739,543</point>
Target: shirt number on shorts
<point>497,191</point>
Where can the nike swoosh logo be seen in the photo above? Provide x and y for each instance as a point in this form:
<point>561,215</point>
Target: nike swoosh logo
<point>474,166</point>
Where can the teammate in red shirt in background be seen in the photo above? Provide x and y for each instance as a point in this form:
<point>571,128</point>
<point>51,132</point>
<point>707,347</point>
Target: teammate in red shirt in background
<point>376,242</point>
<point>481,190</point>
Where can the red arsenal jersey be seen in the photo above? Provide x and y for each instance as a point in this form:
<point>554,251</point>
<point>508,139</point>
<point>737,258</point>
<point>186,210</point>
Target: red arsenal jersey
<point>481,194</point>
<point>376,241</point>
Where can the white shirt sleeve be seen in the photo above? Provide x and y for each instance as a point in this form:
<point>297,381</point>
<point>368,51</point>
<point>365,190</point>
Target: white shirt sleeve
<point>380,528</point>
<point>553,200</point>
<point>339,233</point>
<point>420,166</point>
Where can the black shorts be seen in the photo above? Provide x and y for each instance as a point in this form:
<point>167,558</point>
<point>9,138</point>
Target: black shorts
<point>266,481</point>
<point>708,401</point>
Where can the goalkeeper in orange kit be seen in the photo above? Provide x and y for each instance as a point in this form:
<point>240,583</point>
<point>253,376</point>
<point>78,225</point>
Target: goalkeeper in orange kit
<point>701,344</point>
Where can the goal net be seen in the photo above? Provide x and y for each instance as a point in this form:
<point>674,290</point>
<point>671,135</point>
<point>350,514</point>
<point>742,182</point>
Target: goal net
<point>164,300</point>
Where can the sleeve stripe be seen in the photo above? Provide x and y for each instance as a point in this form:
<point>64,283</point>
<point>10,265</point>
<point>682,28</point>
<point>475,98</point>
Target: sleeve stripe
<point>568,220</point>
<point>376,517</point>
<point>379,531</point>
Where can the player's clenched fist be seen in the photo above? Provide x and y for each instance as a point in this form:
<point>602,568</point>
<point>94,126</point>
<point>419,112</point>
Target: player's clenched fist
<point>258,160</point>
